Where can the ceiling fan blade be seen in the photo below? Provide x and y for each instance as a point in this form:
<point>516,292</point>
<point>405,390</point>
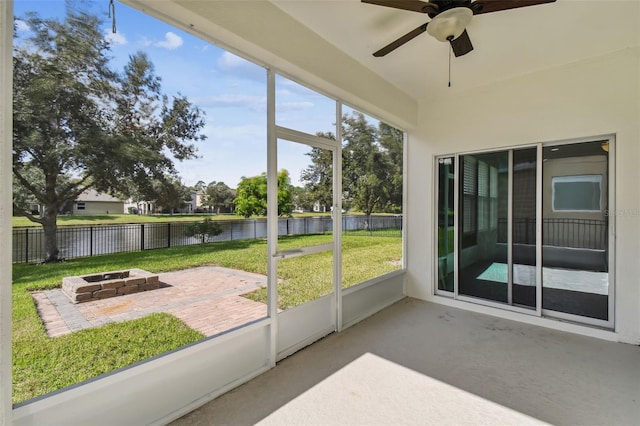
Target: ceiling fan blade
<point>461,45</point>
<point>412,5</point>
<point>402,40</point>
<point>486,6</point>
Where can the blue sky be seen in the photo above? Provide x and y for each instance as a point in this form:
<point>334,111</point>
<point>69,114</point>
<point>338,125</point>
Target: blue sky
<point>231,91</point>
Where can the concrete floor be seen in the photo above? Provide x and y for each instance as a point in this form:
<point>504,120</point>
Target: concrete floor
<point>422,363</point>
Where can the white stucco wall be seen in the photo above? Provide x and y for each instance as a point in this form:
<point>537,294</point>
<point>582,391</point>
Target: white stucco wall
<point>599,96</point>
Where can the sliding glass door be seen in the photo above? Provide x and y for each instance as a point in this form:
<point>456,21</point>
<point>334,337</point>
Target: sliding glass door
<point>446,226</point>
<point>524,227</point>
<point>528,229</point>
<point>482,240</point>
<point>576,250</point>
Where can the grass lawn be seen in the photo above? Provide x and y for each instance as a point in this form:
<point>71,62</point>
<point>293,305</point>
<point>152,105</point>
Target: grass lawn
<point>306,278</point>
<point>42,364</point>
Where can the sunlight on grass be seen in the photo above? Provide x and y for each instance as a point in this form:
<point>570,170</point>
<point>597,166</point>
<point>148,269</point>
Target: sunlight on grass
<point>42,364</point>
<point>47,364</point>
<point>306,278</point>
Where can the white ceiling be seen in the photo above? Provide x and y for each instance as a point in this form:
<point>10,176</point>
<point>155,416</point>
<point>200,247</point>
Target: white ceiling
<point>507,43</point>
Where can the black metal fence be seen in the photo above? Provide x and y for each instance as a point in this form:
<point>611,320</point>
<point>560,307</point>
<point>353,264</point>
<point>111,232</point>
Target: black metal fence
<point>83,241</point>
<point>575,233</point>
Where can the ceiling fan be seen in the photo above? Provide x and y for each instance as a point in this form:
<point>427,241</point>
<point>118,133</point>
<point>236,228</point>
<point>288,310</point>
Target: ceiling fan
<point>449,19</point>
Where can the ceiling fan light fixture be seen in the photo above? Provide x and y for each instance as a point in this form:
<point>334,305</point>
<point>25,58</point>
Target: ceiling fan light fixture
<point>450,24</point>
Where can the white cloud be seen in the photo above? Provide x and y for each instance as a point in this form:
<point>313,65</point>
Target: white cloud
<point>235,135</point>
<point>115,39</point>
<point>294,105</point>
<point>171,41</point>
<point>233,100</point>
<point>228,61</point>
<point>21,26</point>
<point>236,66</point>
<point>144,42</point>
<point>283,92</point>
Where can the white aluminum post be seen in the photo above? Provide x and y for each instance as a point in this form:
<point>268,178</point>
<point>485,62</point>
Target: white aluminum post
<point>509,228</point>
<point>272,216</point>
<point>405,210</point>
<point>457,215</point>
<point>6,210</point>
<point>611,205</point>
<point>435,206</point>
<point>337,217</point>
<point>539,163</point>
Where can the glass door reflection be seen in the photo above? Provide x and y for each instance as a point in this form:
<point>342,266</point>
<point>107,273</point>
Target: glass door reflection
<point>446,223</point>
<point>575,256</point>
<point>531,229</point>
<point>523,227</point>
<point>482,226</point>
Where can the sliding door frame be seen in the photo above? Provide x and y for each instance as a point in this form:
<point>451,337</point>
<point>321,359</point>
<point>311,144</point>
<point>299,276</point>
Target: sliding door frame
<point>436,269</point>
<point>538,311</point>
<point>470,299</point>
<point>510,229</point>
<point>611,227</point>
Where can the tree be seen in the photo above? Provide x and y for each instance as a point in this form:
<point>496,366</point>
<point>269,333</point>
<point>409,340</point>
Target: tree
<point>141,195</point>
<point>302,198</point>
<point>172,194</point>
<point>371,167</point>
<point>360,158</point>
<point>391,142</point>
<point>203,230</point>
<point>200,186</point>
<point>218,196</point>
<point>318,177</point>
<point>25,198</point>
<point>251,198</point>
<point>285,194</point>
<point>80,125</point>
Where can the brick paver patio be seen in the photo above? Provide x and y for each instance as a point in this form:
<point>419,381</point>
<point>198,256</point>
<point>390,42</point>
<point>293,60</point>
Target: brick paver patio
<point>208,299</point>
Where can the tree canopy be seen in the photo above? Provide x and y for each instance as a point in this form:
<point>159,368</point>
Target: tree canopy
<point>251,196</point>
<point>371,167</point>
<point>172,195</point>
<point>79,124</point>
<point>219,197</point>
<point>318,177</point>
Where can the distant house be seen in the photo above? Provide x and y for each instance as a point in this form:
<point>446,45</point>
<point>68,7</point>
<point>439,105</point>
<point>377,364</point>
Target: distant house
<point>139,207</point>
<point>318,207</point>
<point>94,202</point>
<point>195,203</point>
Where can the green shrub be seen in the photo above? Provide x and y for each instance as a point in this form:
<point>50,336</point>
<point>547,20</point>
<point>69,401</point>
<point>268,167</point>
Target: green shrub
<point>204,230</point>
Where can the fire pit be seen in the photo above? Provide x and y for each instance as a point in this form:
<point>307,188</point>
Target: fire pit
<point>87,288</point>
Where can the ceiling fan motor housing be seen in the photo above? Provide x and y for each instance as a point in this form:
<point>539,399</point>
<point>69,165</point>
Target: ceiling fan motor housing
<point>450,24</point>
